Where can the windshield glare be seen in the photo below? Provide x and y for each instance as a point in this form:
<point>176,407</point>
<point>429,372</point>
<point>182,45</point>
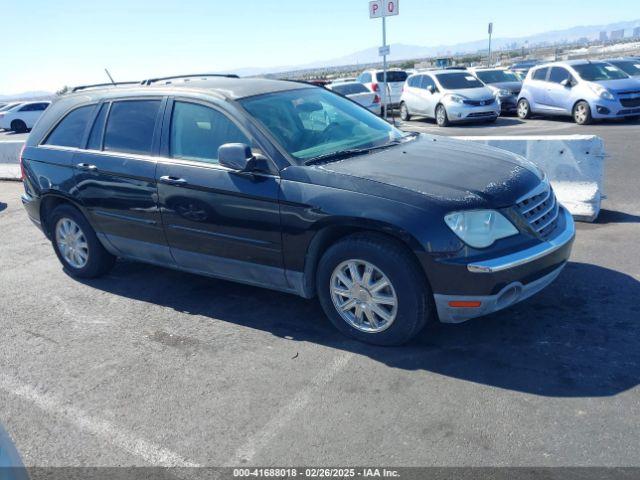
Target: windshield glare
<point>458,81</point>
<point>629,67</point>
<point>497,76</point>
<point>314,122</point>
<point>595,72</point>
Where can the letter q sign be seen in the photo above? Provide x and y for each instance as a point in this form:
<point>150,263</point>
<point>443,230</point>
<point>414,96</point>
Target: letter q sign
<point>384,8</point>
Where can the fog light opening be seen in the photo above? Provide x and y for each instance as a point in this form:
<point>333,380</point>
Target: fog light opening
<point>603,110</point>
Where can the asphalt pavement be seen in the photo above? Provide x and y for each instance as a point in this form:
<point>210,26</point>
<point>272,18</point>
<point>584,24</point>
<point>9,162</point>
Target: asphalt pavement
<point>149,366</point>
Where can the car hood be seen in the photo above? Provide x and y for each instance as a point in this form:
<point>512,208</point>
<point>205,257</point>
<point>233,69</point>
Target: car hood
<point>481,93</point>
<point>446,171</point>
<point>620,85</point>
<point>511,86</point>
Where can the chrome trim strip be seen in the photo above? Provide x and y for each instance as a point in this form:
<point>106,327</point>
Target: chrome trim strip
<point>529,255</point>
<point>550,221</point>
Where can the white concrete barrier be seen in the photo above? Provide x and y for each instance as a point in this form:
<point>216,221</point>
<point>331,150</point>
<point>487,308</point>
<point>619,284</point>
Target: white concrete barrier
<point>9,159</point>
<point>573,163</point>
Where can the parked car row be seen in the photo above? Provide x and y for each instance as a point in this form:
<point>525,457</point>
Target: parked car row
<point>583,89</point>
<point>20,117</point>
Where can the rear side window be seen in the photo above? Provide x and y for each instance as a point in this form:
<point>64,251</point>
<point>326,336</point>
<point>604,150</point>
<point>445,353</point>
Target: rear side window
<point>349,88</point>
<point>198,131</point>
<point>130,126</point>
<point>540,74</point>
<point>69,132</point>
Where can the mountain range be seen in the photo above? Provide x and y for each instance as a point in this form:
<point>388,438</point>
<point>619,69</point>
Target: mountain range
<point>401,51</point>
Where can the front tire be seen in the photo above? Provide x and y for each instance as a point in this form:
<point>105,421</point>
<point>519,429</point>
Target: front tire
<point>76,244</point>
<point>582,113</point>
<point>442,119</point>
<point>405,116</point>
<point>371,289</point>
<point>524,109</point>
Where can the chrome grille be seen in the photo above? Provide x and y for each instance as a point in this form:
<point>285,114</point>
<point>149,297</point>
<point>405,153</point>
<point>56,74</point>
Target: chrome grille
<point>541,210</point>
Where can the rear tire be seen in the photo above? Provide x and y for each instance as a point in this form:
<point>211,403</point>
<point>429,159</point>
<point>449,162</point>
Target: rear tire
<point>405,116</point>
<point>76,244</point>
<point>524,109</point>
<point>442,119</point>
<point>18,126</point>
<point>582,113</point>
<point>361,296</point>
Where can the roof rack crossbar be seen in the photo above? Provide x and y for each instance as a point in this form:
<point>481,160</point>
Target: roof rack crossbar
<point>196,75</point>
<point>101,85</point>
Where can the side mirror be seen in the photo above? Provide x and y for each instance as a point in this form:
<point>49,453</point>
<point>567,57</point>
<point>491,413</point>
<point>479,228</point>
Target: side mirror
<point>236,156</point>
<point>431,89</point>
<point>567,83</point>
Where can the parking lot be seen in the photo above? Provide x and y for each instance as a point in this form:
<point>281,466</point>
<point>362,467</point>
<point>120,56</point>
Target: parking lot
<point>149,366</point>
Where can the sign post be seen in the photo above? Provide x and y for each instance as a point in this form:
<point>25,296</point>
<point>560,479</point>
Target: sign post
<point>383,9</point>
<point>490,34</point>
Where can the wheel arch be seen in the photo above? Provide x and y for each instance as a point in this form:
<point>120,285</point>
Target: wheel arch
<point>329,235</point>
<point>49,202</point>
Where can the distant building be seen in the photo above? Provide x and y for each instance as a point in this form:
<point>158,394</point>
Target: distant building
<point>636,32</point>
<point>617,35</point>
<point>604,37</point>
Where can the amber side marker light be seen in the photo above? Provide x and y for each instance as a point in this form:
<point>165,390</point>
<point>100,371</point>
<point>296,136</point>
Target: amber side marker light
<point>465,304</point>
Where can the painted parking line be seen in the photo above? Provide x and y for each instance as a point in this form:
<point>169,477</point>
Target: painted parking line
<point>246,453</point>
<point>104,430</point>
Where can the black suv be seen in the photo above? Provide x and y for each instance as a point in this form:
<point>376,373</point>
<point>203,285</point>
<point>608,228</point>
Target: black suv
<point>292,187</point>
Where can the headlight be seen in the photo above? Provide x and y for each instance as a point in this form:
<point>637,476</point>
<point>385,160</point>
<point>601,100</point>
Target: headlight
<point>601,91</point>
<point>480,228</point>
<point>455,98</point>
<point>503,93</point>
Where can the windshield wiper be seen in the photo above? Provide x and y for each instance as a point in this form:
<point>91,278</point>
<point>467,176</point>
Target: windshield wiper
<point>327,157</point>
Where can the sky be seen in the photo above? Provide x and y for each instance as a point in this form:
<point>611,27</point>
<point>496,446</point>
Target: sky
<point>48,44</point>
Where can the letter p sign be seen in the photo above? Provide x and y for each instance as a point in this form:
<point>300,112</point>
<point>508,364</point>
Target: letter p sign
<point>376,9</point>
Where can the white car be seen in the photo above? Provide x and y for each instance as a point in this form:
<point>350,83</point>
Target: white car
<point>6,107</point>
<point>448,96</point>
<point>22,117</point>
<point>358,93</point>
<point>374,81</point>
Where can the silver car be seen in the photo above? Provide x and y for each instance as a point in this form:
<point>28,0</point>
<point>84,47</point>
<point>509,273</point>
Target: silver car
<point>448,96</point>
<point>359,94</point>
<point>505,85</point>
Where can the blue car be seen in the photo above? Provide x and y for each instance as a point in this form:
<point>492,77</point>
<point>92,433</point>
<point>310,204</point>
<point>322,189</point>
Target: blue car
<point>581,89</point>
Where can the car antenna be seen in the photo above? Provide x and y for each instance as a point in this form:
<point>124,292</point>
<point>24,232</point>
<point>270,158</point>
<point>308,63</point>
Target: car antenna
<point>110,77</point>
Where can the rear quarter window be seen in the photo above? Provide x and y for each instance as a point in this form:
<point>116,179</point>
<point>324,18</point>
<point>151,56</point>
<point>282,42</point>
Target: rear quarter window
<point>130,126</point>
<point>71,129</point>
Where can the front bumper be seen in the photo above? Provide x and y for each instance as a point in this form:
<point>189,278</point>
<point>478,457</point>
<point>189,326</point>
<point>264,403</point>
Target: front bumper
<point>467,113</point>
<point>509,104</point>
<point>509,279</point>
<point>602,109</point>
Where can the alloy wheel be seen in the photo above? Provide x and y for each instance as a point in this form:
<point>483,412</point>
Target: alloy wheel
<point>363,296</point>
<point>72,243</point>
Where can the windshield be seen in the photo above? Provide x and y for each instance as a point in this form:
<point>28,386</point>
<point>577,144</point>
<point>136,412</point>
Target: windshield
<point>9,106</point>
<point>595,72</point>
<point>392,76</point>
<point>497,76</point>
<point>314,122</point>
<point>458,81</point>
<point>629,67</point>
<point>349,88</point>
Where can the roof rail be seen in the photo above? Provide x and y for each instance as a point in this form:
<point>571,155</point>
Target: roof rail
<point>196,75</point>
<point>101,85</point>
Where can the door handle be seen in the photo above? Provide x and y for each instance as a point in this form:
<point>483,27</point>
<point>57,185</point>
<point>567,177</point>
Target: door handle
<point>86,166</point>
<point>173,180</point>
